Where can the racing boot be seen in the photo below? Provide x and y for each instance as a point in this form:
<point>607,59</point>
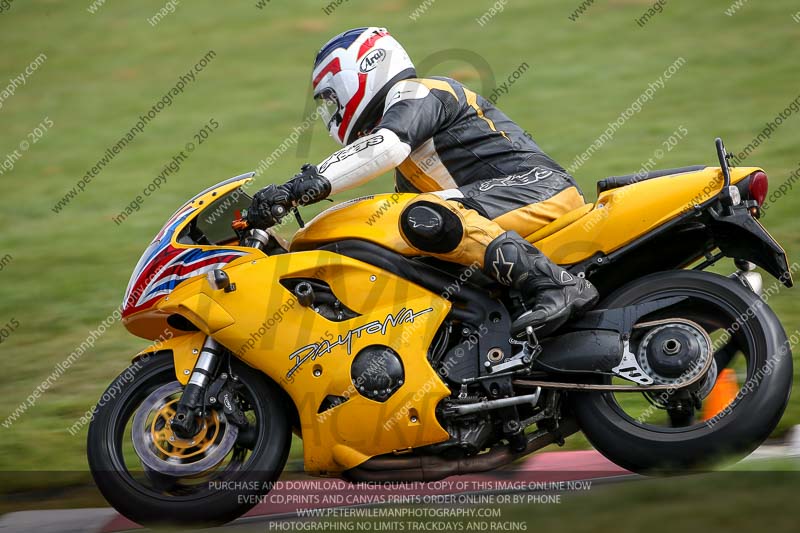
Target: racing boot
<point>550,294</point>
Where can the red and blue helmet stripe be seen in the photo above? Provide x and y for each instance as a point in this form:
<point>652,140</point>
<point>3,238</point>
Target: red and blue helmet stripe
<point>343,40</point>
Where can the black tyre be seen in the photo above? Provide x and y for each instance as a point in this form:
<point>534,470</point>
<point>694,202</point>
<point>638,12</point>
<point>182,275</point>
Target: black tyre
<point>228,470</point>
<point>746,330</point>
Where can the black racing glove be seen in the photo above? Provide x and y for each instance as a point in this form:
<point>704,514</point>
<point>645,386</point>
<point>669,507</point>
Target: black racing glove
<point>309,186</point>
<point>272,203</point>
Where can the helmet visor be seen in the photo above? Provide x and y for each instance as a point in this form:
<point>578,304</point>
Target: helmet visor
<point>329,109</point>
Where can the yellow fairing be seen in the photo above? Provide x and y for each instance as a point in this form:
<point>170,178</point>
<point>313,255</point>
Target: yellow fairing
<point>622,215</point>
<point>371,218</point>
<point>310,357</point>
<point>151,323</point>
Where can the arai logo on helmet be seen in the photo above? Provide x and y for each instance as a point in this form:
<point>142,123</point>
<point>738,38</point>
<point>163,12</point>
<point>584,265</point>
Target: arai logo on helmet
<point>372,59</point>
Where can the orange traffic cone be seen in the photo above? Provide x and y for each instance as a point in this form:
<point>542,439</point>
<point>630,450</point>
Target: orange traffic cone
<point>725,390</point>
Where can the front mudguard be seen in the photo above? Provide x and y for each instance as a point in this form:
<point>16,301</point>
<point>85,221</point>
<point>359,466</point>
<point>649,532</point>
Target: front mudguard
<point>184,350</point>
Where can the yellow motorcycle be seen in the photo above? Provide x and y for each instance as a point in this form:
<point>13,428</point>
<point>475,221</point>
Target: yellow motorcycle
<point>389,366</point>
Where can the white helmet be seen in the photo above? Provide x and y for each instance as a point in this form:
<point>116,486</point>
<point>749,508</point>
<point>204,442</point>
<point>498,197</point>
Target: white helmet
<point>352,74</point>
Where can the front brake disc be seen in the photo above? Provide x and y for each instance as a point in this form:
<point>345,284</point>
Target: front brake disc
<point>159,449</point>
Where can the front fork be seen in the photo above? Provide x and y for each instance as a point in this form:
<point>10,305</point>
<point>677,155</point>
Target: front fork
<point>191,407</point>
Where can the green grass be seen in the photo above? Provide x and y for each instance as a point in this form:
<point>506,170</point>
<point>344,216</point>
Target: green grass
<point>69,270</point>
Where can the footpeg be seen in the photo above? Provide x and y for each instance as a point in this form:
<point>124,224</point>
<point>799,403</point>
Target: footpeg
<point>531,334</point>
<point>523,359</point>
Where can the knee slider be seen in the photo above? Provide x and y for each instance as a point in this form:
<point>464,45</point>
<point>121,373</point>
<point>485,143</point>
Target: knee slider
<point>431,227</point>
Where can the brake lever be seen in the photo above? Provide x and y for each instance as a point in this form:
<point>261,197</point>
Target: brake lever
<point>298,217</point>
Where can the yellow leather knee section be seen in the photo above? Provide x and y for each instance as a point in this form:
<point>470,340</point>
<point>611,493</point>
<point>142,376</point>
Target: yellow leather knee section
<point>477,232</point>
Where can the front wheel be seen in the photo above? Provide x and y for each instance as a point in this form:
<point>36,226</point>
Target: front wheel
<point>676,431</point>
<point>152,476</point>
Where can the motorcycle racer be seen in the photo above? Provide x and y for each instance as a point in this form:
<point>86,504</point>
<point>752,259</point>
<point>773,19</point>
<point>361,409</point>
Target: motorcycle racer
<point>481,179</point>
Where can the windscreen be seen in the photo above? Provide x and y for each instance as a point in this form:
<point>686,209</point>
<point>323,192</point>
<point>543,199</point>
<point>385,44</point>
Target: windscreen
<point>213,225</point>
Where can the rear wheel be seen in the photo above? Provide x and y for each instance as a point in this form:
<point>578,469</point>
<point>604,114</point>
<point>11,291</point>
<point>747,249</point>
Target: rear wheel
<point>670,430</point>
<point>152,476</point>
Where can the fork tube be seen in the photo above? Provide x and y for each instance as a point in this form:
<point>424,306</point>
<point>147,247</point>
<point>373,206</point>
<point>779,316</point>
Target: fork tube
<point>206,365</point>
<point>191,403</point>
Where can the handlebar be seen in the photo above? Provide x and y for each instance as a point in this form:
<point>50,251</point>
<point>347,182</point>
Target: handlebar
<point>278,212</point>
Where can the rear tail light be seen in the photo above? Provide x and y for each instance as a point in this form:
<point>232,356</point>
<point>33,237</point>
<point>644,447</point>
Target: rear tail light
<point>759,183</point>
